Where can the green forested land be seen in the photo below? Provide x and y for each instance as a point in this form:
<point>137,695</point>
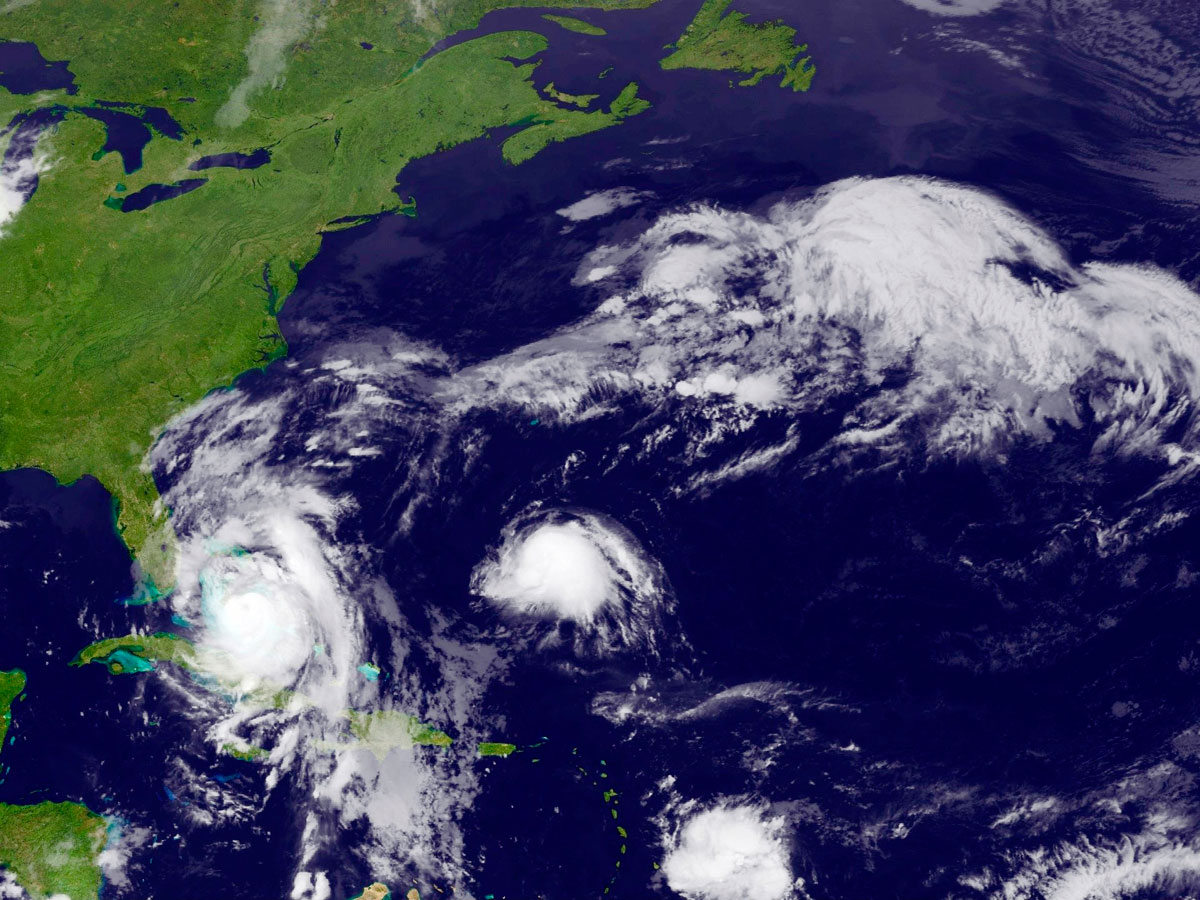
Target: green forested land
<point>246,754</point>
<point>560,123</point>
<point>577,25</point>
<point>51,849</point>
<point>112,322</point>
<point>496,748</point>
<point>723,40</point>
<point>149,648</point>
<point>583,101</point>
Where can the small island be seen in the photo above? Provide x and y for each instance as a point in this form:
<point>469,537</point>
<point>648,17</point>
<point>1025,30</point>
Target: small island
<point>577,25</point>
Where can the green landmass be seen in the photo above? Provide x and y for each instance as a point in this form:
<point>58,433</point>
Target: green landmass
<point>577,25</point>
<point>723,40</point>
<point>51,849</point>
<point>246,754</point>
<point>111,322</point>
<point>583,101</point>
<point>376,891</point>
<point>493,748</point>
<point>559,124</point>
<point>137,653</point>
<point>384,730</point>
<point>11,685</point>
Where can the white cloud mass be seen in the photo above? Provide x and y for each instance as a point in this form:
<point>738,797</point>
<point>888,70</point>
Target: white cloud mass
<point>581,566</point>
<point>19,174</point>
<point>602,203</point>
<point>554,570</point>
<point>955,7</point>
<point>947,310</point>
<point>730,853</point>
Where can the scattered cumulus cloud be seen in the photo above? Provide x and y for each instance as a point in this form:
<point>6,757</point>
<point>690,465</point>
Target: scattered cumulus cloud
<point>939,319</point>
<point>952,312</point>
<point>9,889</point>
<point>1136,837</point>
<point>1104,869</point>
<point>113,860</point>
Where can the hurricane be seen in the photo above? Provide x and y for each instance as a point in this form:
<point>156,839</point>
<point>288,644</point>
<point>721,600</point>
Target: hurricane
<point>285,669</point>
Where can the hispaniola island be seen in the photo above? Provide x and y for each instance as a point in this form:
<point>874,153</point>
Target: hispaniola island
<point>599,450</point>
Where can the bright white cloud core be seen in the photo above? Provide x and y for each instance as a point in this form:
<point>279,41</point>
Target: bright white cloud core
<point>730,853</point>
<point>554,570</point>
